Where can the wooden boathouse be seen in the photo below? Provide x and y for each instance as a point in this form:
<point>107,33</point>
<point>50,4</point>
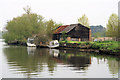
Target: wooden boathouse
<point>74,32</point>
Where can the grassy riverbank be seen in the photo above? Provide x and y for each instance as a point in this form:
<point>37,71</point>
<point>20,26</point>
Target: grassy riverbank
<point>102,46</point>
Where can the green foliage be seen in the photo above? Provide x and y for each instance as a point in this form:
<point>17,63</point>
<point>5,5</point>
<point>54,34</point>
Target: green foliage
<point>50,27</point>
<point>21,28</point>
<point>64,35</point>
<point>97,34</point>
<point>27,10</point>
<point>1,34</point>
<point>112,46</point>
<point>112,26</point>
<point>84,20</point>
<point>41,37</point>
<point>108,45</point>
<point>29,25</point>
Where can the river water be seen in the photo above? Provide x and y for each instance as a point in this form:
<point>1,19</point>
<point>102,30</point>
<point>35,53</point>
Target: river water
<point>26,62</point>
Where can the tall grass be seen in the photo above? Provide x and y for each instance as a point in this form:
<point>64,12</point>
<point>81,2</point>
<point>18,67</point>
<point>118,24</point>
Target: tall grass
<point>112,46</point>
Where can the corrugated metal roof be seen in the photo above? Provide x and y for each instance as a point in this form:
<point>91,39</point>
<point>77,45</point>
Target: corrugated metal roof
<point>59,29</point>
<point>69,28</point>
<point>66,28</point>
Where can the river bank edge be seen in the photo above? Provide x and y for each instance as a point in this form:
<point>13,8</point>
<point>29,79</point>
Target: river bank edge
<point>81,47</point>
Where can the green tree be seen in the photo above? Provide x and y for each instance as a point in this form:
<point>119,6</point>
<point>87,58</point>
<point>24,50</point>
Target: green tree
<point>29,25</point>
<point>112,26</point>
<point>45,34</point>
<point>27,10</point>
<point>50,27</point>
<point>64,35</point>
<point>97,34</point>
<point>22,27</point>
<point>84,20</point>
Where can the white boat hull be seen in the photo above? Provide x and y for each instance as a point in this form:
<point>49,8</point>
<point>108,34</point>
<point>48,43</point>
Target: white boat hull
<point>53,46</point>
<point>31,45</point>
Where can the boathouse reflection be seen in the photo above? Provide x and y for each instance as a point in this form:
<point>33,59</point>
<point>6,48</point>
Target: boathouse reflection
<point>78,61</point>
<point>31,61</point>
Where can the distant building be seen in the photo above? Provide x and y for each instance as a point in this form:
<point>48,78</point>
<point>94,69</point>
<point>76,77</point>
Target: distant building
<point>75,32</point>
<point>102,39</point>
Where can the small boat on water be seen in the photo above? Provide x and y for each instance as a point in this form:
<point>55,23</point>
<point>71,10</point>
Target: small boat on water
<point>30,42</point>
<point>53,44</point>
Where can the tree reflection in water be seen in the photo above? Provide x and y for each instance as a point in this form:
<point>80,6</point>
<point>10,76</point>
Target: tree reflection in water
<point>32,61</point>
<point>113,66</point>
<point>29,61</point>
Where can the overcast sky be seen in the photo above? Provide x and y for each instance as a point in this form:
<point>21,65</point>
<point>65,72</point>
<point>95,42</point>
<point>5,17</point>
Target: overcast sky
<point>61,11</point>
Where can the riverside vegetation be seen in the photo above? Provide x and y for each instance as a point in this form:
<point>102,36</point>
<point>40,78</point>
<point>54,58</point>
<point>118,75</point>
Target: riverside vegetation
<point>103,46</point>
<point>29,25</point>
<point>34,25</point>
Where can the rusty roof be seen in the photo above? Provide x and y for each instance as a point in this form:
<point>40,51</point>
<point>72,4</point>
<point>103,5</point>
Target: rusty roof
<point>69,28</point>
<point>59,29</point>
<point>66,28</point>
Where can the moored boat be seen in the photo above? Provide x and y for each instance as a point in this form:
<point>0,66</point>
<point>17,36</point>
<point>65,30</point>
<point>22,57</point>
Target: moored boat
<point>30,42</point>
<point>53,44</point>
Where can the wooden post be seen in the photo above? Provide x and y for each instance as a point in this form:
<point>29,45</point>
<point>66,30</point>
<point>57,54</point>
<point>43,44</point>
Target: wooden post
<point>89,34</point>
<point>79,39</point>
<point>40,42</point>
<point>90,60</point>
<point>69,38</point>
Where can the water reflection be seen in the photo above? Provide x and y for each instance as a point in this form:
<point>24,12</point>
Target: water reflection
<point>54,52</point>
<point>113,66</point>
<point>32,62</point>
<point>78,62</point>
<point>119,70</point>
<point>21,60</point>
<point>31,50</point>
